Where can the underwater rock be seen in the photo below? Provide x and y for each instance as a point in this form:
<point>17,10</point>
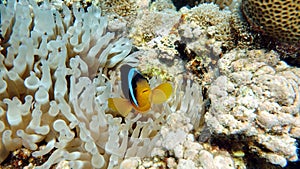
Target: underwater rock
<point>257,96</point>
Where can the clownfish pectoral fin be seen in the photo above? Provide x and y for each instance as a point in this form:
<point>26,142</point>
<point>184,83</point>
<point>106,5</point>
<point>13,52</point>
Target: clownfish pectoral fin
<point>122,106</point>
<point>161,93</point>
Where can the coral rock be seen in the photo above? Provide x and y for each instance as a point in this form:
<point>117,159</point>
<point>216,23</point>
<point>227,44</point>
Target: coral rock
<point>258,97</point>
<point>276,18</point>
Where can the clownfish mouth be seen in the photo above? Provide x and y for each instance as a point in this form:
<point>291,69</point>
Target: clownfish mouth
<point>138,94</point>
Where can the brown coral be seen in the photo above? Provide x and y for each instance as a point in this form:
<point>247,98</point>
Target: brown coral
<point>123,8</point>
<point>275,18</point>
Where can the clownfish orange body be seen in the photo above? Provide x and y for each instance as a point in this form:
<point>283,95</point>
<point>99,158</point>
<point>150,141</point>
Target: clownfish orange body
<point>137,92</point>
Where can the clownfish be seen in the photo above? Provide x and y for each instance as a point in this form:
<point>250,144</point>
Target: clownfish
<point>137,92</point>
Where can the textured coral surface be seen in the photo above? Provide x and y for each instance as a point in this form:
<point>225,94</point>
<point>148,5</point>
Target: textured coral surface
<point>231,107</point>
<point>257,96</point>
<point>276,18</point>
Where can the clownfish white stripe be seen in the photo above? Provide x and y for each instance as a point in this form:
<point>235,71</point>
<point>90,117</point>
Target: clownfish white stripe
<point>131,74</point>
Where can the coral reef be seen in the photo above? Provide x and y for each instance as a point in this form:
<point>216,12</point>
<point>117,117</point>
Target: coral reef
<point>178,148</point>
<point>115,8</point>
<point>276,26</point>
<point>202,38</point>
<point>207,19</point>
<point>161,5</point>
<point>23,157</point>
<point>144,32</point>
<point>257,96</point>
<point>60,63</point>
<point>205,30</point>
<point>56,76</point>
<point>278,19</point>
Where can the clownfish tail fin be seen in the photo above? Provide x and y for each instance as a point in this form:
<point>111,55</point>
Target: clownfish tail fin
<point>161,93</point>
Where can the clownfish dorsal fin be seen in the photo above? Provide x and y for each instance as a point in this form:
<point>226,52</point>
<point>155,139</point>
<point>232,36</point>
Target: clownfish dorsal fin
<point>124,79</point>
<point>161,93</point>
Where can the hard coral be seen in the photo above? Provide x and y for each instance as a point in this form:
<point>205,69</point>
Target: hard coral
<point>57,71</point>
<point>257,97</point>
<point>275,18</point>
<point>123,8</point>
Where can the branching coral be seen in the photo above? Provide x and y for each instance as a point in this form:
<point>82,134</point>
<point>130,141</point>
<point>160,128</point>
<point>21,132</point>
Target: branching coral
<point>208,19</point>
